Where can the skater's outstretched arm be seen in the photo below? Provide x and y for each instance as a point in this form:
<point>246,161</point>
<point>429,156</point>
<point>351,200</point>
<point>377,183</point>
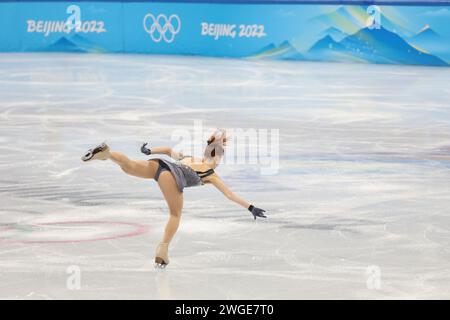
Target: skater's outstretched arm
<point>219,184</point>
<point>161,150</point>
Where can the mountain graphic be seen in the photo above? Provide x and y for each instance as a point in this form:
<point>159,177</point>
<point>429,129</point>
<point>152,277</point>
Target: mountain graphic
<point>371,45</point>
<point>344,36</point>
<point>326,43</point>
<point>427,39</point>
<point>383,46</point>
<point>284,51</point>
<point>349,19</point>
<point>267,50</point>
<point>335,33</point>
<point>327,49</point>
<point>426,34</point>
<point>289,52</point>
<point>85,44</point>
<point>64,44</point>
<point>393,27</point>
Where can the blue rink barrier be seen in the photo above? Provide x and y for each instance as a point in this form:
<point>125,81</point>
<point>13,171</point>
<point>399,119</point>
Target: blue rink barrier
<point>393,32</point>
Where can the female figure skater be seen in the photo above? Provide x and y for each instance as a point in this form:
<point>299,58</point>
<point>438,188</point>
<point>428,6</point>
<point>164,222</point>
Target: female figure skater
<point>173,177</point>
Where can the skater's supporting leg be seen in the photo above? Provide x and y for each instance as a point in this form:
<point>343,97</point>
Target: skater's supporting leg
<point>174,199</point>
<point>138,168</point>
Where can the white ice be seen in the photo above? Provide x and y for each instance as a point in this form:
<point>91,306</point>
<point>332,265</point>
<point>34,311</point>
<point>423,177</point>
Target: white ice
<point>360,207</point>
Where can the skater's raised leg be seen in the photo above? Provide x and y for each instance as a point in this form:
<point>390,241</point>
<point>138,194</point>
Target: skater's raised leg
<point>138,168</point>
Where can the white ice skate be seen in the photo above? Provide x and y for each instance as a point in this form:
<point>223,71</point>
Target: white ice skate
<point>162,255</point>
<point>100,152</point>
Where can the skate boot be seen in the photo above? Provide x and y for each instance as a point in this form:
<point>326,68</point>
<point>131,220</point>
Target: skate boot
<point>100,152</point>
<point>162,255</point>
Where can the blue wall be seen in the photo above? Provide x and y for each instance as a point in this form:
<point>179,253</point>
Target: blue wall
<point>400,32</point>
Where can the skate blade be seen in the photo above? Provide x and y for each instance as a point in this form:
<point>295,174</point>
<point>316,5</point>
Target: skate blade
<point>93,154</point>
<point>160,263</point>
<point>88,156</point>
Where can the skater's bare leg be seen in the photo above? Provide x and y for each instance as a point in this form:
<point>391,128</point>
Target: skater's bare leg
<point>138,168</point>
<point>174,199</point>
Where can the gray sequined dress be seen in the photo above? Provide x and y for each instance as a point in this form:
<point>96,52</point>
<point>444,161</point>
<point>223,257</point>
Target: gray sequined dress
<point>184,175</point>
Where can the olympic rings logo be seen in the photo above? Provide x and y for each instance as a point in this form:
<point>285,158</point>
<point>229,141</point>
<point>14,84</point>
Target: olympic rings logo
<point>161,27</point>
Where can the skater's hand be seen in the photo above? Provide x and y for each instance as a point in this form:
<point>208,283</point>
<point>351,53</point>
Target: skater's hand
<point>257,212</point>
<point>146,150</point>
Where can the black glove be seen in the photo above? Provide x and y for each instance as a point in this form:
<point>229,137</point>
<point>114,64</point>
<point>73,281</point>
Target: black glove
<point>146,150</point>
<point>257,212</point>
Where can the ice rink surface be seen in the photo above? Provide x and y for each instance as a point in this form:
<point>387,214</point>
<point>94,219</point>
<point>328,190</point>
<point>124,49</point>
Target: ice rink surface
<point>360,206</point>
